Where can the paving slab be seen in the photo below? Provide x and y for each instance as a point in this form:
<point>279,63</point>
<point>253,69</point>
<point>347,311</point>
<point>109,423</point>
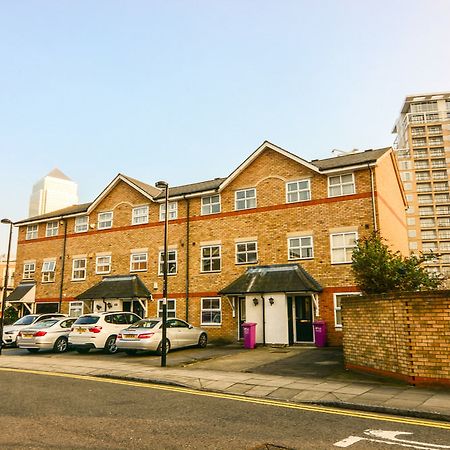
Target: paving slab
<point>285,394</point>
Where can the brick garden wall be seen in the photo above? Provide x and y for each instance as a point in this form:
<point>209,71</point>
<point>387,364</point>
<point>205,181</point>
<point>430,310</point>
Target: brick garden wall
<point>406,336</point>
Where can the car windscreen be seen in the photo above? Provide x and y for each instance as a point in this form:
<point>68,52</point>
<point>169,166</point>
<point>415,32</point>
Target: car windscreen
<point>45,323</point>
<point>86,320</point>
<point>145,324</point>
<point>25,320</point>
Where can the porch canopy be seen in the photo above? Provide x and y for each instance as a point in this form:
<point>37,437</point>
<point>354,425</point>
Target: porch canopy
<point>23,293</point>
<point>126,287</point>
<point>275,278</point>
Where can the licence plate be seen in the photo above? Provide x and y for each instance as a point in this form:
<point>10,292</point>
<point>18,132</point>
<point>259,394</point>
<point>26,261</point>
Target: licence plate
<point>81,330</point>
<point>27,336</point>
<point>129,336</point>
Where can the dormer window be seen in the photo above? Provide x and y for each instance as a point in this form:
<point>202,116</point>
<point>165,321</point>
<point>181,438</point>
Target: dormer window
<point>341,185</point>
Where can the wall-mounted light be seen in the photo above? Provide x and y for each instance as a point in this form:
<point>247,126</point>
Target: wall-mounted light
<point>271,301</point>
<point>255,301</point>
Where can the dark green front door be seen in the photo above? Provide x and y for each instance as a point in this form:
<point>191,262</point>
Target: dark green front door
<point>303,317</point>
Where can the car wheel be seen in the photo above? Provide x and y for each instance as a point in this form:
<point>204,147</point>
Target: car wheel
<point>61,345</point>
<point>131,352</point>
<point>110,345</point>
<point>202,340</point>
<point>159,349</point>
<point>83,350</point>
<point>33,350</point>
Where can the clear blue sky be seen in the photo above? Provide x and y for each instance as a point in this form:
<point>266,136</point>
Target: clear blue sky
<point>185,90</point>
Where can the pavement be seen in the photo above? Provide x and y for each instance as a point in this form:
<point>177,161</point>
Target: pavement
<point>294,374</point>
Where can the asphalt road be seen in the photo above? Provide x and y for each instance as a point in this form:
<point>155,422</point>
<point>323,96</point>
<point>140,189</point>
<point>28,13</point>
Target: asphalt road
<point>70,412</point>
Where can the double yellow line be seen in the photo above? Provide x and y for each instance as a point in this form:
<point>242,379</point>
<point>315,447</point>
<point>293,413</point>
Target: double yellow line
<point>241,398</point>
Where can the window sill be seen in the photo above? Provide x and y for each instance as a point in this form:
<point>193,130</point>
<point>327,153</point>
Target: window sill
<point>245,263</point>
<point>78,279</point>
<point>301,259</point>
<point>211,271</point>
<point>138,270</point>
<point>340,263</point>
<point>211,324</point>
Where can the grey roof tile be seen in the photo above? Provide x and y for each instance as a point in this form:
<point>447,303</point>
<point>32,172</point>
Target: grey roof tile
<point>19,292</point>
<point>271,279</point>
<point>352,159</point>
<point>117,286</point>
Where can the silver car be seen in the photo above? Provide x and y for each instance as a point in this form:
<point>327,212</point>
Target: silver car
<point>46,334</point>
<point>147,335</point>
<point>10,332</point>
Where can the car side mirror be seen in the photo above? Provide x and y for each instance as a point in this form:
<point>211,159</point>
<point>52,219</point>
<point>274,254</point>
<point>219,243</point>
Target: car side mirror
<point>191,326</point>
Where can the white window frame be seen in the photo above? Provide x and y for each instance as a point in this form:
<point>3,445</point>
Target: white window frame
<point>51,230</point>
<point>341,185</point>
<point>245,252</point>
<point>298,191</point>
<point>105,223</point>
<point>172,262</point>
<point>171,311</point>
<point>344,247</point>
<point>48,271</point>
<point>211,310</point>
<point>135,259</point>
<point>32,232</point>
<point>80,271</point>
<point>99,264</point>
<point>29,269</point>
<point>173,211</point>
<point>301,247</point>
<point>81,224</point>
<point>76,306</point>
<point>338,308</point>
<point>208,208</point>
<point>246,200</point>
<point>139,215</point>
<point>210,258</point>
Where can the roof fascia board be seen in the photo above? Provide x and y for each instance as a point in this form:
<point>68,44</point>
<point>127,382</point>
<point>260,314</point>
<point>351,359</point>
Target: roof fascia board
<point>265,145</point>
<point>347,168</point>
<point>48,219</point>
<point>111,186</point>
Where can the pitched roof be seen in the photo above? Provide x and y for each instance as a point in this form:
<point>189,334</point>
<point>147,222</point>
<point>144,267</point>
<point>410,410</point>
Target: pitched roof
<point>148,188</point>
<point>117,286</point>
<point>74,209</point>
<point>352,159</point>
<point>271,279</point>
<point>20,291</point>
<point>193,188</point>
<point>56,173</point>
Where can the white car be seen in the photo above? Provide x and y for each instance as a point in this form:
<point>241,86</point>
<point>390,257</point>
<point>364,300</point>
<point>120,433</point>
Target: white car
<point>99,330</point>
<point>10,332</point>
<point>47,334</point>
<point>147,335</point>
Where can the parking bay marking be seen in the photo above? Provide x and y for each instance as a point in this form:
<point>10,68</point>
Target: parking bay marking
<point>259,401</point>
<point>389,437</point>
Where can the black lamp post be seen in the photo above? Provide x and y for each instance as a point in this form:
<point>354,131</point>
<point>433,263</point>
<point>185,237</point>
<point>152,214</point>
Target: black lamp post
<point>164,185</point>
<point>5,283</point>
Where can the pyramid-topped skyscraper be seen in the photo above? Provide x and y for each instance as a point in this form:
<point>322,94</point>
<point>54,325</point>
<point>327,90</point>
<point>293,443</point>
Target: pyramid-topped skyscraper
<point>54,191</point>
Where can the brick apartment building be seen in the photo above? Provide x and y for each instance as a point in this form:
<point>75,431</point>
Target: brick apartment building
<point>271,243</point>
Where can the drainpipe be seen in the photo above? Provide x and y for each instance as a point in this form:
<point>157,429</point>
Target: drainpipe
<point>264,318</point>
<point>63,265</point>
<point>187,257</point>
<point>374,208</point>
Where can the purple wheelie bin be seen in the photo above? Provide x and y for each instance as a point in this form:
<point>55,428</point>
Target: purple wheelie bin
<point>320,333</point>
<point>249,334</point>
